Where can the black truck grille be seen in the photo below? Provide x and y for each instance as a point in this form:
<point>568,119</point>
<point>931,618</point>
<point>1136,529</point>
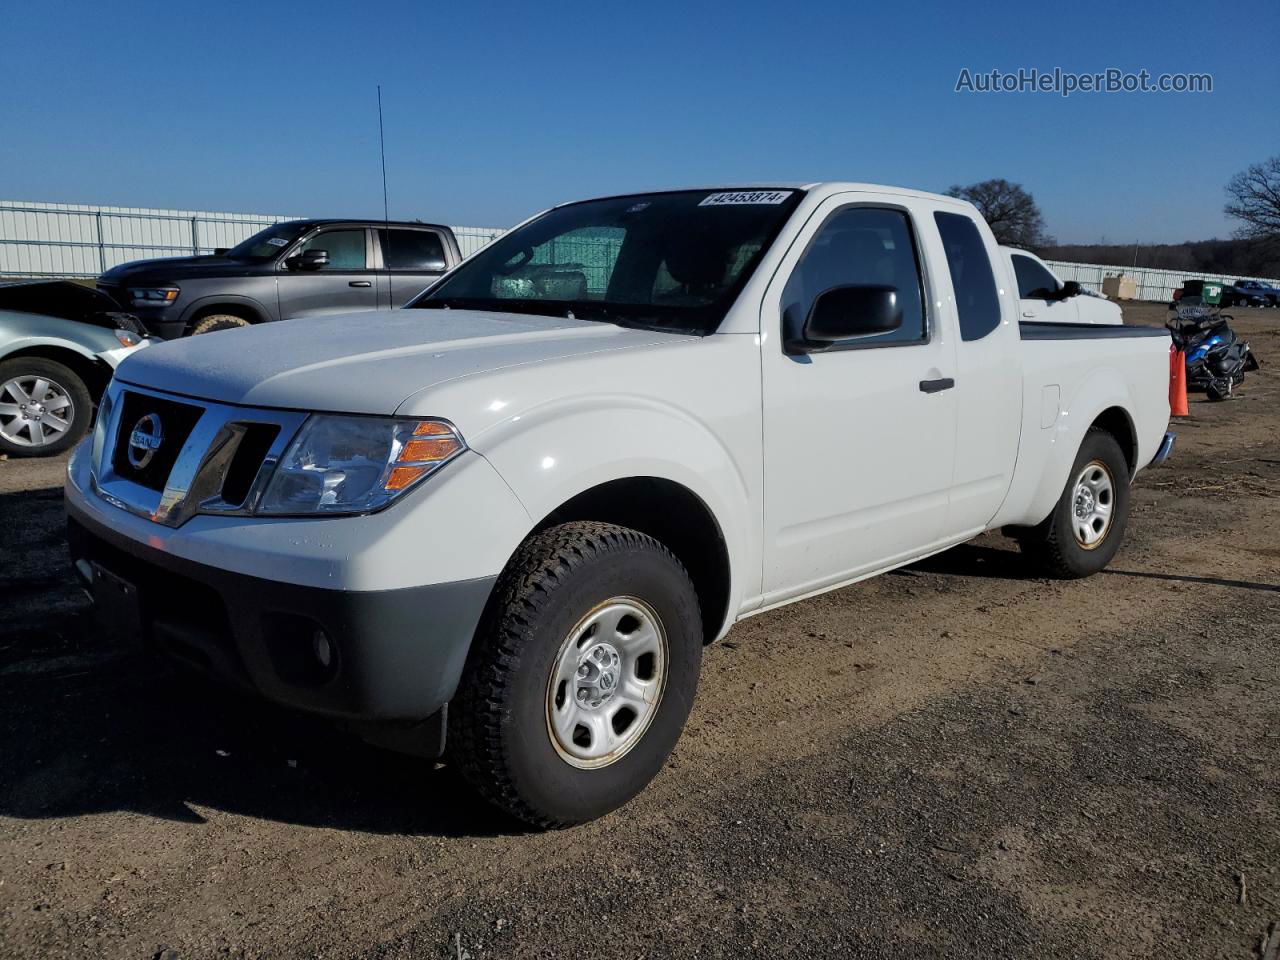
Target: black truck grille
<point>171,421</point>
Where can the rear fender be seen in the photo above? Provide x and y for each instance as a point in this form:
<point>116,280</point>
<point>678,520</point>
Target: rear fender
<point>1099,391</point>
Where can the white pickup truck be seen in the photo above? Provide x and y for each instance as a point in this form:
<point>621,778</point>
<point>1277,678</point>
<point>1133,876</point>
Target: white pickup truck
<point>1044,298</point>
<point>508,517</point>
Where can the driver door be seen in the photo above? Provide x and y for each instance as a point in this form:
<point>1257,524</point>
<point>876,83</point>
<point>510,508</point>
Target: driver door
<point>344,285</point>
<point>859,438</point>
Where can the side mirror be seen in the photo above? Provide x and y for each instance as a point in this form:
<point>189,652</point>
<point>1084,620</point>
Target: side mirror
<point>219,251</point>
<point>1069,289</point>
<point>309,260</point>
<point>848,312</point>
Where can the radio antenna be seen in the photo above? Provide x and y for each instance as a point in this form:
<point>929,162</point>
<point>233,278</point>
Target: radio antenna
<point>382,147</point>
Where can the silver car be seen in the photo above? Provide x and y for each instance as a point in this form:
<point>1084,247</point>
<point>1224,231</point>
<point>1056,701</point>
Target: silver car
<point>59,343</point>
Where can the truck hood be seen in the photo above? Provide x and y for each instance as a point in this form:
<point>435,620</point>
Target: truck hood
<point>175,269</point>
<point>365,362</point>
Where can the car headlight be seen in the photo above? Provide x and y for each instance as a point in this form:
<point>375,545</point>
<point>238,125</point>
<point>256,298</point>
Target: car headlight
<point>128,338</point>
<point>153,296</point>
<point>345,464</point>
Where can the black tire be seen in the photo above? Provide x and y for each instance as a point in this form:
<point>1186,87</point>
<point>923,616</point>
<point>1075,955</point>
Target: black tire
<point>218,321</point>
<point>20,439</point>
<point>1053,544</point>
<point>499,727</point>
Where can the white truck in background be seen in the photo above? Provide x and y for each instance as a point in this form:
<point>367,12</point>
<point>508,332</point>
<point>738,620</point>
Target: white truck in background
<point>506,519</point>
<point>1044,297</point>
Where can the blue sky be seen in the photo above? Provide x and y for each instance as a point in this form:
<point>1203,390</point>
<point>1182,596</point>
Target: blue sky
<point>494,111</point>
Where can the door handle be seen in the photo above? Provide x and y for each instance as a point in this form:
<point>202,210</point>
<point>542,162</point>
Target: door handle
<point>359,283</point>
<point>936,386</point>
<point>1029,314</point>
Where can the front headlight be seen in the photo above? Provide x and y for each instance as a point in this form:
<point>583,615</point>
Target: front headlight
<point>128,338</point>
<point>153,296</point>
<point>343,464</point>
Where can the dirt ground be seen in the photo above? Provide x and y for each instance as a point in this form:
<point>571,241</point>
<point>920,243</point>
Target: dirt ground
<point>957,759</point>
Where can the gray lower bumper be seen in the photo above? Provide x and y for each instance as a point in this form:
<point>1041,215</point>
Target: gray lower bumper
<point>384,655</point>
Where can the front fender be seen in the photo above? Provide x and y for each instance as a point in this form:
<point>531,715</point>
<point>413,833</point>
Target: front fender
<point>552,453</point>
<point>256,306</point>
<point>27,344</point>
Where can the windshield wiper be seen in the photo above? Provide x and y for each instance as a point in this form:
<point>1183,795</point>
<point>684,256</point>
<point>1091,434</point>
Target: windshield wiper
<point>634,323</point>
<point>569,309</point>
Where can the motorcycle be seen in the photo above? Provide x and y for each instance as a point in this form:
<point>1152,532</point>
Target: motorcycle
<point>1217,359</point>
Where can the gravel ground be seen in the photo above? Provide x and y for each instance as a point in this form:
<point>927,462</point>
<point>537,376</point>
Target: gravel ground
<point>957,759</point>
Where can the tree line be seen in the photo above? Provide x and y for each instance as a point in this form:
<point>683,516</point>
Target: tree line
<point>1253,199</point>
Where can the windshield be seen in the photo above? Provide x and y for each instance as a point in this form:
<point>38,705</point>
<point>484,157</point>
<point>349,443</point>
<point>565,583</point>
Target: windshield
<point>662,260</point>
<point>267,244</point>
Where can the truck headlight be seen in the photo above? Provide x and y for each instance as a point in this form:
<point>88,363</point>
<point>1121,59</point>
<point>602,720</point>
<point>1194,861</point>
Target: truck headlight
<point>345,464</point>
<point>153,296</point>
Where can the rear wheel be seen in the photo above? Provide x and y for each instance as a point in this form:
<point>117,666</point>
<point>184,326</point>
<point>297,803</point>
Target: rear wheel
<point>1085,529</point>
<point>45,408</point>
<point>218,321</point>
<point>581,677</point>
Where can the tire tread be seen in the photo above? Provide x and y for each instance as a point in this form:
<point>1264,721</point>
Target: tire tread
<point>541,564</point>
<point>1049,543</point>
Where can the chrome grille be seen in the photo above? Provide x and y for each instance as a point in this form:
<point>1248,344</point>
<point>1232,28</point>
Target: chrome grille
<point>218,459</point>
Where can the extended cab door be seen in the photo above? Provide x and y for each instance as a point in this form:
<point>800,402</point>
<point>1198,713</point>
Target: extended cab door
<point>412,259</point>
<point>988,371</point>
<point>344,285</point>
<point>859,439</point>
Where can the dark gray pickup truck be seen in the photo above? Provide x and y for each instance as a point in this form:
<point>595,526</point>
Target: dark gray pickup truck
<point>298,268</point>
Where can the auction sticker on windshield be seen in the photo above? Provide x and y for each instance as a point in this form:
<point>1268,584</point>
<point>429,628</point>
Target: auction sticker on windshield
<point>737,197</point>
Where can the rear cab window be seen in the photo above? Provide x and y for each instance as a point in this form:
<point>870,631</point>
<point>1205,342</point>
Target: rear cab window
<point>419,251</point>
<point>974,283</point>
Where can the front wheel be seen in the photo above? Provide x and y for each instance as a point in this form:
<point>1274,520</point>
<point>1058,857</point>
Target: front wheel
<point>1083,533</point>
<point>581,677</point>
<point>45,408</point>
<point>218,321</point>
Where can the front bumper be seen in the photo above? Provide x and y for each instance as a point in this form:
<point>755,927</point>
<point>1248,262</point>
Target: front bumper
<point>393,654</point>
<point>1165,449</point>
<point>165,322</point>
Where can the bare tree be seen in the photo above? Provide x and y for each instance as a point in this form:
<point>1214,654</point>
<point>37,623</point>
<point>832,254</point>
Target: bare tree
<point>1254,199</point>
<point>1009,210</point>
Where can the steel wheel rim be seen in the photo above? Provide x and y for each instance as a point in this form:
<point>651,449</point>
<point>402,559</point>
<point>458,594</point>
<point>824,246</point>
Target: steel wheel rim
<point>1093,503</point>
<point>606,683</point>
<point>35,411</point>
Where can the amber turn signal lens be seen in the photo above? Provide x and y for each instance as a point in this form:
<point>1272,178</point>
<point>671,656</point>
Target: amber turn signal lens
<point>431,429</point>
<point>429,451</point>
<point>401,477</point>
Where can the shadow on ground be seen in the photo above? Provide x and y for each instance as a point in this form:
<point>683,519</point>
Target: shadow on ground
<point>86,730</point>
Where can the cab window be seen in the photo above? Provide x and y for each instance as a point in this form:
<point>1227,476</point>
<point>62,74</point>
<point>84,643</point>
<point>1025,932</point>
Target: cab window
<point>862,245</point>
<point>419,250</point>
<point>977,302</point>
<point>1034,281</point>
<point>346,248</point>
